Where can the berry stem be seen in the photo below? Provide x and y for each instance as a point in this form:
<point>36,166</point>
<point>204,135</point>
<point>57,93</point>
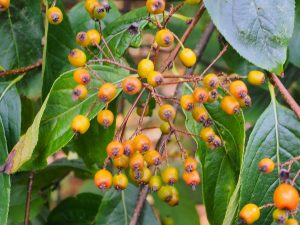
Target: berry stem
<point>28,198</point>
<point>102,51</point>
<point>267,206</point>
<point>108,49</point>
<point>295,178</point>
<point>290,162</point>
<point>21,70</point>
<point>95,74</point>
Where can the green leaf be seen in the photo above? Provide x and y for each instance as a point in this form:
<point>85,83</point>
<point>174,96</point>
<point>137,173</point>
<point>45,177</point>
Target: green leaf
<point>59,40</point>
<point>257,30</point>
<point>51,129</point>
<point>294,53</point>
<point>220,168</point>
<point>10,111</point>
<point>91,145</point>
<point>4,179</point>
<point>111,210</point>
<point>276,135</point>
<point>21,41</point>
<point>79,210</point>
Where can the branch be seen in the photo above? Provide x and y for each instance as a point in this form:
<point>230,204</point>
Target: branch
<point>286,95</point>
<point>28,199</point>
<point>21,70</point>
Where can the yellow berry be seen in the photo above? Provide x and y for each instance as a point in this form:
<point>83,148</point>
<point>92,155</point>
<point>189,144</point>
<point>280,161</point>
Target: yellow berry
<point>164,38</point>
<point>77,58</point>
<point>256,77</point>
<point>155,78</point>
<point>94,37</point>
<point>187,57</point>
<point>250,213</point>
<point>54,15</point>
<point>155,6</point>
<point>80,124</point>
<point>145,66</point>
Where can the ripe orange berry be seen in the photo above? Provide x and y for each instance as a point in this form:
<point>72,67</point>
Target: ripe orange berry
<point>256,77</point>
<point>120,181</point>
<point>192,179</point>
<point>146,176</point>
<point>165,193</point>
<point>141,143</point>
<point>90,5</point>
<point>245,102</point>
<point>155,183</point>
<point>175,197</point>
<point>81,76</point>
<point>105,118</point>
<point>80,124</point>
<point>155,78</point>
<point>167,112</point>
<point>200,114</point>
<point>292,221</point>
<point>99,12</point>
<point>164,38</point>
<point>266,165</point>
<point>131,85</point>
<point>82,39</point>
<point>128,148</point>
<point>211,81</point>
<point>107,92</point>
<point>155,6</point>
<point>190,164</point>
<point>54,15</point>
<point>152,158</point>
<point>169,175</point>
<point>145,66</point>
<point>136,161</point>
<point>4,4</point>
<point>77,58</point>
<point>94,37</point>
<point>187,57</point>
<point>230,105</point>
<point>80,92</point>
<point>121,162</point>
<point>280,216</point>
<point>286,197</point>
<point>207,134</point>
<point>212,96</point>
<point>103,179</point>
<point>238,89</point>
<point>114,149</point>
<point>200,95</point>
<point>187,102</point>
<point>165,128</point>
<point>250,213</point>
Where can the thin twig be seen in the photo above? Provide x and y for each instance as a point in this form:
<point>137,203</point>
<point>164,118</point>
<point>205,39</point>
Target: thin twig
<point>114,63</point>
<point>108,49</point>
<point>28,199</point>
<point>21,70</point>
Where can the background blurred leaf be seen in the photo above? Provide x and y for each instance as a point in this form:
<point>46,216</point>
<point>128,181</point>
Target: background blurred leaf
<point>294,53</point>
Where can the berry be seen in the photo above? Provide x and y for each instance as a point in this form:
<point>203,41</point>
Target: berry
<point>54,15</point>
<point>292,221</point>
<point>155,6</point>
<point>94,37</point>
<point>169,175</point>
<point>152,158</point>
<point>99,12</point>
<point>90,5</point>
<point>128,148</point>
<point>80,92</point>
<point>164,38</point>
<point>192,179</point>
<point>280,216</point>
<point>4,4</point>
<point>165,128</point>
<point>131,85</point>
<point>155,183</point>
<point>256,77</point>
<point>83,39</point>
<point>165,193</point>
<point>135,175</point>
<point>200,114</point>
<point>192,2</point>
<point>77,58</point>
<point>121,162</point>
<point>200,95</point>
<point>145,66</point>
<point>80,124</point>
<point>266,165</point>
<point>207,134</point>
<point>146,176</point>
<point>216,143</point>
<point>105,118</point>
<point>190,164</point>
<point>245,102</point>
<point>103,179</point>
<point>167,112</point>
<point>187,102</point>
<point>230,105</point>
<point>114,149</point>
<point>136,161</point>
<point>141,143</point>
<point>175,197</point>
<point>286,197</point>
<point>155,78</point>
<point>187,57</point>
<point>212,96</point>
<point>120,181</point>
<point>107,92</point>
<point>238,89</point>
<point>81,76</point>
<point>250,213</point>
<point>211,81</point>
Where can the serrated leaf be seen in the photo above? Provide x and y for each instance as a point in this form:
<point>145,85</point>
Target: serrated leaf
<point>51,128</point>
<point>220,168</point>
<point>111,210</point>
<point>257,30</point>
<point>294,47</point>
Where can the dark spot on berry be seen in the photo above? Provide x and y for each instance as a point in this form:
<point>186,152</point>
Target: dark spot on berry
<point>284,175</point>
<point>133,29</point>
<point>171,181</point>
<point>167,114</point>
<point>106,6</point>
<point>158,80</point>
<point>76,92</point>
<point>190,106</point>
<point>102,187</point>
<point>55,17</point>
<point>126,151</point>
<point>86,79</point>
<point>130,87</point>
<point>145,147</point>
<point>115,151</point>
<point>157,161</point>
<point>208,122</point>
<point>168,39</point>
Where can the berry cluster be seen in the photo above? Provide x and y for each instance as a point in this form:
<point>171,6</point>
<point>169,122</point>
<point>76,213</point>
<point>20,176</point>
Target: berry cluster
<point>285,197</point>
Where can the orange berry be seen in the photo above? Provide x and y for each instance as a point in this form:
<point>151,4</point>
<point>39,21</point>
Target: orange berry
<point>211,81</point>
<point>250,213</point>
<point>155,6</point>
<point>141,143</point>
<point>145,66</point>
<point>128,148</point>
<point>90,5</point>
<point>200,114</point>
<point>77,58</point>
<point>169,175</point>
<point>187,102</point>
<point>81,76</point>
<point>114,149</point>
<point>107,92</point>
<point>80,124</point>
<point>190,164</point>
<point>207,134</point>
<point>286,197</point>
<point>94,37</point>
<point>120,181</point>
<point>136,161</point>
<point>152,158</point>
<point>105,118</point>
<point>200,95</point>
<point>256,77</point>
<point>187,57</point>
<point>55,15</point>
<point>82,39</point>
<point>4,4</point>
<point>131,85</point>
<point>80,92</point>
<point>164,38</point>
<point>155,78</point>
<point>266,165</point>
<point>230,105</point>
<point>238,89</point>
<point>192,178</point>
<point>167,112</point>
<point>103,179</point>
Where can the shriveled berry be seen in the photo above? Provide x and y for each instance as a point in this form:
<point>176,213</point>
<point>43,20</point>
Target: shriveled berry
<point>121,162</point>
<point>169,175</point>
<point>187,102</point>
<point>77,58</point>
<point>286,197</point>
<point>211,81</point>
<point>256,77</point>
<point>174,201</point>
<point>82,39</point>
<point>250,213</point>
<point>164,38</point>
<point>114,149</point>
<point>80,92</point>
<point>266,165</point>
<point>155,78</point>
<point>80,124</point>
<point>187,57</point>
<point>136,161</point>
<point>103,179</point>
<point>192,179</point>
<point>120,181</point>
<point>190,164</point>
<point>238,89</point>
<point>94,37</point>
<point>107,92</point>
<point>105,118</point>
<point>284,175</point>
<point>131,85</point>
<point>230,105</point>
<point>145,66</point>
<point>81,76</point>
<point>54,15</point>
<point>152,157</point>
<point>200,95</point>
<point>155,6</point>
<point>167,112</point>
<point>207,134</point>
<point>155,183</point>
